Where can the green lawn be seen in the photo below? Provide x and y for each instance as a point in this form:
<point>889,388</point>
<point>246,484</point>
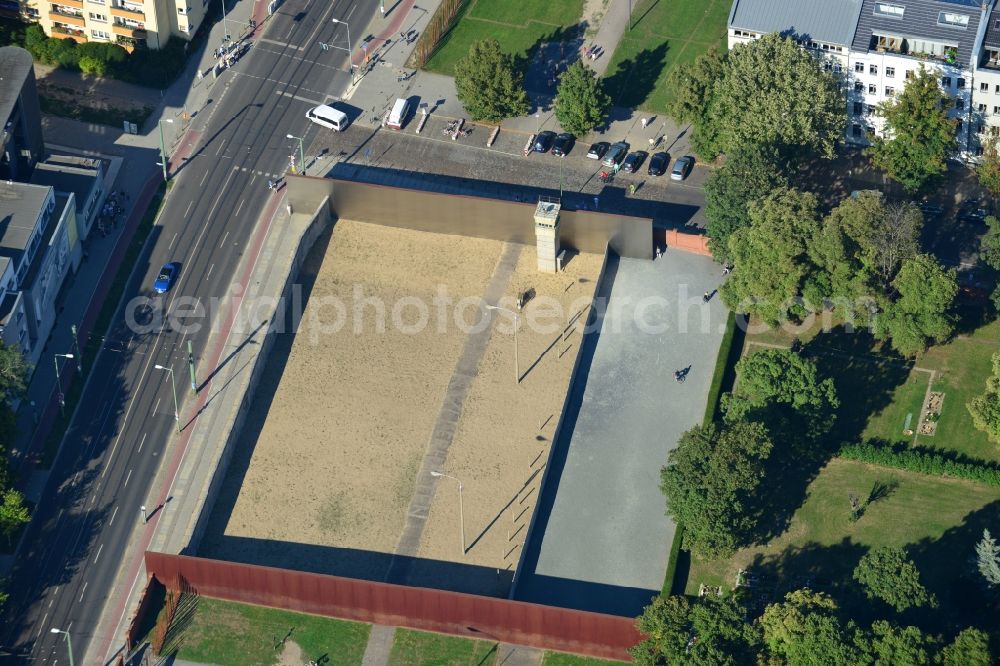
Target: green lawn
<point>419,648</point>
<point>562,659</point>
<point>518,25</point>
<point>936,520</point>
<point>664,35</point>
<point>221,632</point>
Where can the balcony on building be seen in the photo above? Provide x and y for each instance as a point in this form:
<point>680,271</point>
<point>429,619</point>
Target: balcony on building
<point>912,47</point>
<point>129,28</point>
<point>64,31</point>
<point>67,15</point>
<point>128,10</point>
<point>991,58</point>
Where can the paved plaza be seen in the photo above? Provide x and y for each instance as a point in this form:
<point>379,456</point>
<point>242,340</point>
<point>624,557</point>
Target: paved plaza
<point>601,538</point>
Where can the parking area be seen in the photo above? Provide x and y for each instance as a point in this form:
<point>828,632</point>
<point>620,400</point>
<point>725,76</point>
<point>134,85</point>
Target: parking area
<point>466,166</point>
<point>601,538</point>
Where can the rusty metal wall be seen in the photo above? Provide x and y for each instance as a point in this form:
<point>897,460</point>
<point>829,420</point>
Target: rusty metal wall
<point>517,622</point>
<point>584,231</point>
<point>693,243</point>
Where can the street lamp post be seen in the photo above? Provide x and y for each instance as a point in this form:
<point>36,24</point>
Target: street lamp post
<point>350,47</point>
<point>225,26</point>
<point>62,399</point>
<point>173,384</point>
<point>69,642</point>
<point>461,507</point>
<point>302,153</point>
<point>163,147</point>
<point>517,365</point>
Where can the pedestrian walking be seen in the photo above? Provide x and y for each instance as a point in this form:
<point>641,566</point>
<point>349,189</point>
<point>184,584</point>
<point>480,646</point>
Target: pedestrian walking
<point>706,297</point>
<point>596,202</point>
<point>644,121</point>
<point>725,270</point>
<point>659,252</point>
<point>631,188</point>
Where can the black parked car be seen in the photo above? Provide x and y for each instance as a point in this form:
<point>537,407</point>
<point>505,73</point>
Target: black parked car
<point>615,155</point>
<point>598,149</point>
<point>973,210</point>
<point>544,141</point>
<point>633,161</point>
<point>658,164</point>
<point>563,144</point>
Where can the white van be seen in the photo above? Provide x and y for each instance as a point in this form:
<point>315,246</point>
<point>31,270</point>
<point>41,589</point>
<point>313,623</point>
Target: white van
<point>398,114</point>
<point>328,117</point>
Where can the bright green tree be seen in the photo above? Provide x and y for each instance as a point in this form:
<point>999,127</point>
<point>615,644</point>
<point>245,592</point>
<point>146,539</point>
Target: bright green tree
<point>770,261</point>
<point>989,244</point>
<point>581,104</point>
<point>13,513</point>
<point>900,646</point>
<point>985,409</point>
<point>774,377</point>
<point>988,561</point>
<point>748,175</point>
<point>489,85</point>
<point>988,168</point>
<point>884,234</point>
<point>711,483</point>
<point>693,100</point>
<point>708,631</point>
<point>887,574</point>
<point>970,648</point>
<point>806,629</point>
<point>919,137</point>
<point>922,312</point>
<point>775,93</point>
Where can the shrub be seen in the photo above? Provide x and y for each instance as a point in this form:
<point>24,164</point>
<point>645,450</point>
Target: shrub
<point>922,462</point>
<point>91,65</point>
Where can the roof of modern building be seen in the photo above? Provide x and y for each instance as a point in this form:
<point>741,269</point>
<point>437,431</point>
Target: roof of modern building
<point>20,204</point>
<point>922,19</point>
<point>831,21</point>
<point>992,38</point>
<point>15,66</point>
<point>62,201</point>
<point>69,173</point>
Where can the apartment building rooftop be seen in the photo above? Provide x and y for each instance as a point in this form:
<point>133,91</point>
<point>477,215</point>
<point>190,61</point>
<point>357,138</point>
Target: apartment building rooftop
<point>68,173</point>
<point>20,204</point>
<point>832,21</point>
<point>942,30</point>
<point>15,65</point>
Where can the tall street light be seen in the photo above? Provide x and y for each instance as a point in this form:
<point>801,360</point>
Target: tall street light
<point>62,398</point>
<point>69,642</point>
<point>225,26</point>
<point>173,384</point>
<point>302,153</point>
<point>517,366</point>
<point>163,147</point>
<point>461,508</point>
<point>350,46</point>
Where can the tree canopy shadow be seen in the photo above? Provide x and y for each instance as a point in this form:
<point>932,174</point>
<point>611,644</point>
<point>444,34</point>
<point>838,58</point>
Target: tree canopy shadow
<point>635,78</point>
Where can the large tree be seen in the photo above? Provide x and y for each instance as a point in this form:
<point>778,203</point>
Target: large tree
<point>921,313</point>
<point>693,99</point>
<point>887,574</point>
<point>989,251</point>
<point>748,175</point>
<point>900,646</point>
<point>707,631</point>
<point>13,513</point>
<point>970,648</point>
<point>919,137</point>
<point>774,93</point>
<point>769,257</point>
<point>985,408</point>
<point>806,629</point>
<point>778,377</point>
<point>581,104</point>
<point>988,561</point>
<point>490,86</point>
<point>988,168</point>
<point>885,234</point>
<point>711,483</point>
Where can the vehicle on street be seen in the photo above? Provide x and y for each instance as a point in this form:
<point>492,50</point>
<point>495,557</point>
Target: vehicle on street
<point>328,117</point>
<point>397,117</point>
<point>973,210</point>
<point>658,164</point>
<point>563,144</point>
<point>544,141</point>
<point>634,161</point>
<point>616,154</point>
<point>930,209</point>
<point>165,279</point>
<point>597,150</point>
<point>682,167</point>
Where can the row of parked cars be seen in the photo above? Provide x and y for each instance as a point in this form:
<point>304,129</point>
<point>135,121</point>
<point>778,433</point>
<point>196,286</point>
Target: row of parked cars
<point>615,155</point>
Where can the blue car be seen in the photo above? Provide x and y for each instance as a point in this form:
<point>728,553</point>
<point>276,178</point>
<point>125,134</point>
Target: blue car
<point>166,278</point>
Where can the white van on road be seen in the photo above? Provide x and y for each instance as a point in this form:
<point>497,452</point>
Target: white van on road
<point>328,117</point>
<point>398,114</point>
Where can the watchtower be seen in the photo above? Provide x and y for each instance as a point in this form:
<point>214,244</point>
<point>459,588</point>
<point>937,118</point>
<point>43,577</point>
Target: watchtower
<point>547,233</point>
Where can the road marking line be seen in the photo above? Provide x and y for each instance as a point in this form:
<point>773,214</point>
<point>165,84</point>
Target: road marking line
<point>98,556</point>
<point>190,204</point>
<point>353,7</point>
<point>240,207</point>
<point>209,270</point>
<point>143,441</point>
<point>224,239</point>
<point>129,476</point>
<point>221,146</point>
<point>50,601</point>
<point>44,617</point>
<point>156,407</point>
<point>308,100</point>
<point>205,177</point>
<point>113,514</point>
<point>277,43</point>
<point>174,239</point>
<point>93,498</point>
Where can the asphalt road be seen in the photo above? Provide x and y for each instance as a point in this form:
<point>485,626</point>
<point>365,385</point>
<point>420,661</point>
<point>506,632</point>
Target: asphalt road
<point>117,440</point>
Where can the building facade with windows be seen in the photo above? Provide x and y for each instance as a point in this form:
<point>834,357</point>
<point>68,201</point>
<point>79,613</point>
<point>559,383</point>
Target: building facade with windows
<point>125,22</point>
<point>21,143</point>
<point>985,118</point>
<point>39,245</point>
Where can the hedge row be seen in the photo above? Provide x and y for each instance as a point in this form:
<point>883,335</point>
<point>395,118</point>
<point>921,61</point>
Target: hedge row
<point>922,462</point>
<point>439,26</point>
